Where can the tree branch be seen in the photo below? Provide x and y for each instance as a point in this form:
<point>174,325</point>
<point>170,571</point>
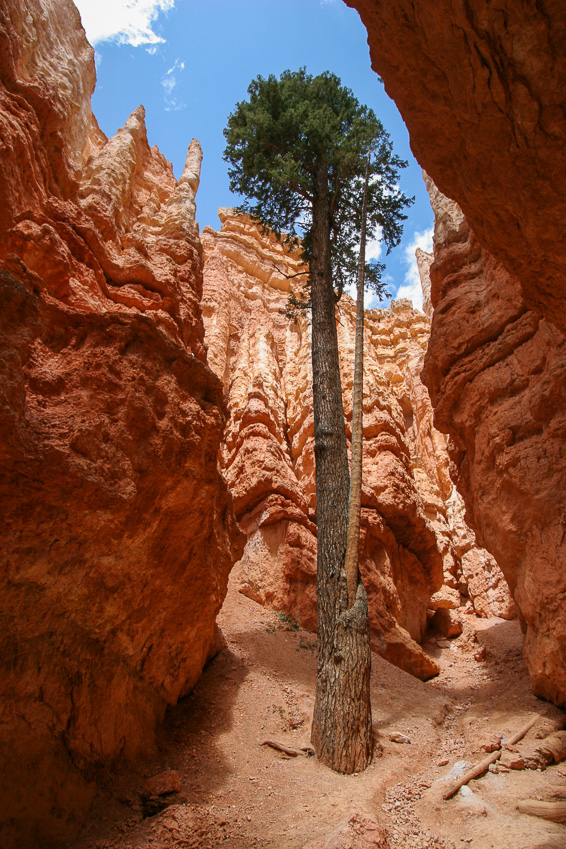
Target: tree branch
<point>289,276</point>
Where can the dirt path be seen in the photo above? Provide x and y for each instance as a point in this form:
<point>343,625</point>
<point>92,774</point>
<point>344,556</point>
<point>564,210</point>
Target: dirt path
<point>233,792</point>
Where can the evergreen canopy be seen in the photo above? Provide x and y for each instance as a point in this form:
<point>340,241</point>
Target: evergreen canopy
<point>289,128</point>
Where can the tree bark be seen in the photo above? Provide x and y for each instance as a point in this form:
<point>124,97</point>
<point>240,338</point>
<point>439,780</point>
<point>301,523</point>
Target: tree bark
<point>341,730</point>
<point>355,501</point>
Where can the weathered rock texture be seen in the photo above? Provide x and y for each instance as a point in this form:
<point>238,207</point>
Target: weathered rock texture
<point>496,372</point>
<point>118,534</point>
<point>481,88</point>
<point>412,520</point>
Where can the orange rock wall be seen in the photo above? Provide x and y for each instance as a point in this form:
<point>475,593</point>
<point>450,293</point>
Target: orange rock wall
<point>480,86</point>
<point>413,535</point>
<point>118,534</point>
<point>496,372</point>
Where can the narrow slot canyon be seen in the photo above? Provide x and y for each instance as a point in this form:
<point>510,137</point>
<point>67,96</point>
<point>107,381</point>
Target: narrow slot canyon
<point>159,552</point>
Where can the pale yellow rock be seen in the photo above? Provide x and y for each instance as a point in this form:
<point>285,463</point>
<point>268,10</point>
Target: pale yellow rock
<point>424,261</point>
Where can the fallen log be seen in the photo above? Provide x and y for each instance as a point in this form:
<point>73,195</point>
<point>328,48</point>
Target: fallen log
<point>553,811</point>
<point>479,769</point>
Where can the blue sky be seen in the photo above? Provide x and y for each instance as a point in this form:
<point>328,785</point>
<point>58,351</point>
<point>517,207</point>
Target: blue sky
<point>190,61</point>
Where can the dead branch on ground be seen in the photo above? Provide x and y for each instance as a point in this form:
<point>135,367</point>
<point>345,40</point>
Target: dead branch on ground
<point>287,750</point>
<point>480,768</point>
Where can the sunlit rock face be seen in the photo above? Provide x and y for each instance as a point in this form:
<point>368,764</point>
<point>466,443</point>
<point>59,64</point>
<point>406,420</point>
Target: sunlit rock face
<point>414,536</point>
<point>481,88</point>
<point>496,372</point>
<point>118,534</point>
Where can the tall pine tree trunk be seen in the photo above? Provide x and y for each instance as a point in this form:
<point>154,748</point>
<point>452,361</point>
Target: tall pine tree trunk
<point>341,730</point>
<point>355,503</point>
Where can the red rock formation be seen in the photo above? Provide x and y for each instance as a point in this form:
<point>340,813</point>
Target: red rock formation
<point>481,88</point>
<point>496,372</point>
<point>268,458</point>
<point>468,569</point>
<point>118,532</point>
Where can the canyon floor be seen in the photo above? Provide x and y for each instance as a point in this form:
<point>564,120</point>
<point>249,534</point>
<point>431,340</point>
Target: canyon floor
<point>232,791</point>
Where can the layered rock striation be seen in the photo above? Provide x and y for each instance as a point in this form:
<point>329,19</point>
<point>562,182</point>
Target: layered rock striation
<point>118,534</point>
<point>496,372</point>
<point>481,88</point>
<point>413,535</point>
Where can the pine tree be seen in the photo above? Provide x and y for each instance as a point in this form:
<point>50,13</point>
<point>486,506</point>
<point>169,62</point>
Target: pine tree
<point>297,150</point>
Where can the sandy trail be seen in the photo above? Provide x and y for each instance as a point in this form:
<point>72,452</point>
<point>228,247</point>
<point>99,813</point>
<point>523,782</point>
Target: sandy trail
<point>239,794</point>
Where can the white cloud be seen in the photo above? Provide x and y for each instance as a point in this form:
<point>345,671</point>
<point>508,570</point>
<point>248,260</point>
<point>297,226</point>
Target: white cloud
<point>178,65</point>
<point>124,21</point>
<point>372,301</point>
<point>169,81</point>
<point>412,286</point>
<point>373,251</point>
<point>374,246</point>
<point>351,289</point>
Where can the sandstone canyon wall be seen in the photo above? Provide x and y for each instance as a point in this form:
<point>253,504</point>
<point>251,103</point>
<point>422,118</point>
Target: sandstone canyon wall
<point>414,536</point>
<point>118,529</point>
<point>118,534</point>
<point>480,87</point>
<point>496,372</point>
